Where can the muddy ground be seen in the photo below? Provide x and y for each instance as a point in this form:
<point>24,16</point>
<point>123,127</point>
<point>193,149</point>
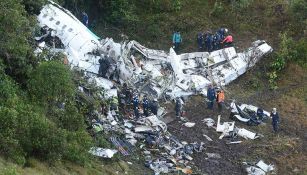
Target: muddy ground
<point>286,149</point>
<point>230,161</point>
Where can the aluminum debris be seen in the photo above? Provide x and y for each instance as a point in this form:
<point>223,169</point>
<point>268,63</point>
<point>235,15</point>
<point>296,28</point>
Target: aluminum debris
<point>155,72</point>
<point>259,168</point>
<point>101,152</point>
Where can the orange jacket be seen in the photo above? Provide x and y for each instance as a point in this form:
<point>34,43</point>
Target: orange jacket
<point>220,96</point>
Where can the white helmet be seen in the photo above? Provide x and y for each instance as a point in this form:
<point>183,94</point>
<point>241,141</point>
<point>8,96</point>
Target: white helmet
<point>226,30</point>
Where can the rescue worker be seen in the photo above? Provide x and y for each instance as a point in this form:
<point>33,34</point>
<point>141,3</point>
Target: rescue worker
<point>220,97</point>
<point>227,42</point>
<point>218,40</point>
<point>145,105</point>
<point>208,42</point>
<point>104,67</point>
<point>177,40</point>
<point>179,107</point>
<point>200,41</point>
<point>85,19</point>
<point>275,119</point>
<point>154,107</point>
<point>135,102</point>
<point>214,42</point>
<point>222,32</point>
<point>211,96</point>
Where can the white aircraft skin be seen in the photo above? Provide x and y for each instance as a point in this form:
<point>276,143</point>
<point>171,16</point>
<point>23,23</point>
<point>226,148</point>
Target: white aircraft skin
<point>191,71</point>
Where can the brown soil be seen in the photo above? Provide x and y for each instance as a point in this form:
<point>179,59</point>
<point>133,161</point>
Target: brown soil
<point>286,150</point>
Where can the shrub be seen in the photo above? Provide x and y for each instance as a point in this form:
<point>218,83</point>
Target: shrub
<point>299,9</point>
<point>15,31</point>
<point>218,9</point>
<point>34,6</point>
<point>51,82</point>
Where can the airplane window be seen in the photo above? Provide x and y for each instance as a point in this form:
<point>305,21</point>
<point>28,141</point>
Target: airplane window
<point>64,26</point>
<point>45,15</point>
<point>70,30</point>
<point>57,23</point>
<point>51,19</point>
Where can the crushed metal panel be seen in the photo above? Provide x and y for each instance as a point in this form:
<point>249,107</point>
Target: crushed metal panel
<point>225,127</point>
<point>101,152</point>
<point>247,134</point>
<point>265,167</point>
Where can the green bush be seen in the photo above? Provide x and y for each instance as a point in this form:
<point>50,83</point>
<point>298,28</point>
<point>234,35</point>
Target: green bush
<point>15,31</point>
<point>218,9</point>
<point>299,10</point>
<point>51,83</point>
<point>34,6</point>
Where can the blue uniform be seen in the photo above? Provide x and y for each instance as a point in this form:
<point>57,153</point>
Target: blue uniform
<point>275,121</point>
<point>135,102</point>
<point>145,106</point>
<point>208,42</point>
<point>211,95</point>
<point>200,41</point>
<point>222,32</point>
<point>85,19</point>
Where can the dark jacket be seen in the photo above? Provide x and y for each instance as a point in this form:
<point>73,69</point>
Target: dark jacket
<point>211,94</point>
<point>275,118</point>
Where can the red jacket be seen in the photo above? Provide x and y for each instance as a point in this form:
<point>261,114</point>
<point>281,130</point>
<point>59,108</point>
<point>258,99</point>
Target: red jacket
<point>228,39</point>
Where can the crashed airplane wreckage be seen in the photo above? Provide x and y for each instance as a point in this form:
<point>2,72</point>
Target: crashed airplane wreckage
<point>153,72</point>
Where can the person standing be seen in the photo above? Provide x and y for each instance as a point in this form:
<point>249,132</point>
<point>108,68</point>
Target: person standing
<point>85,19</point>
<point>145,105</point>
<point>179,107</point>
<point>275,119</point>
<point>135,102</point>
<point>220,98</point>
<point>177,40</point>
<point>200,41</point>
<point>223,32</point>
<point>210,96</point>
<point>154,107</point>
<point>209,42</point>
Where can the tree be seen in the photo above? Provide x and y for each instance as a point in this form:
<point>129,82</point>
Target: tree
<point>15,31</point>
<point>51,83</point>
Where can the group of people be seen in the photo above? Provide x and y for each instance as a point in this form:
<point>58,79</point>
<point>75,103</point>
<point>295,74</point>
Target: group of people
<point>215,94</point>
<point>207,41</point>
<point>145,105</point>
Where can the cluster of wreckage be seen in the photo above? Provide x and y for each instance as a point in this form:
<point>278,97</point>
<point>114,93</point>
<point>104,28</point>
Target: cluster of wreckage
<point>155,73</point>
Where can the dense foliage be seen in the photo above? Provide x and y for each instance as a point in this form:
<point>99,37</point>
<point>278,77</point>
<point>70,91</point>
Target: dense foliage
<point>33,124</point>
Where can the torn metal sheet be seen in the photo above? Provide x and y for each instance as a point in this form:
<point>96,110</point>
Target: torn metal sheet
<point>155,122</point>
<point>101,152</point>
<point>214,155</point>
<point>189,124</point>
<point>247,134</point>
<point>254,171</point>
<point>225,127</point>
<point>143,129</point>
<point>265,167</point>
<point>259,168</point>
<point>209,122</point>
<point>207,137</point>
<point>154,72</point>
